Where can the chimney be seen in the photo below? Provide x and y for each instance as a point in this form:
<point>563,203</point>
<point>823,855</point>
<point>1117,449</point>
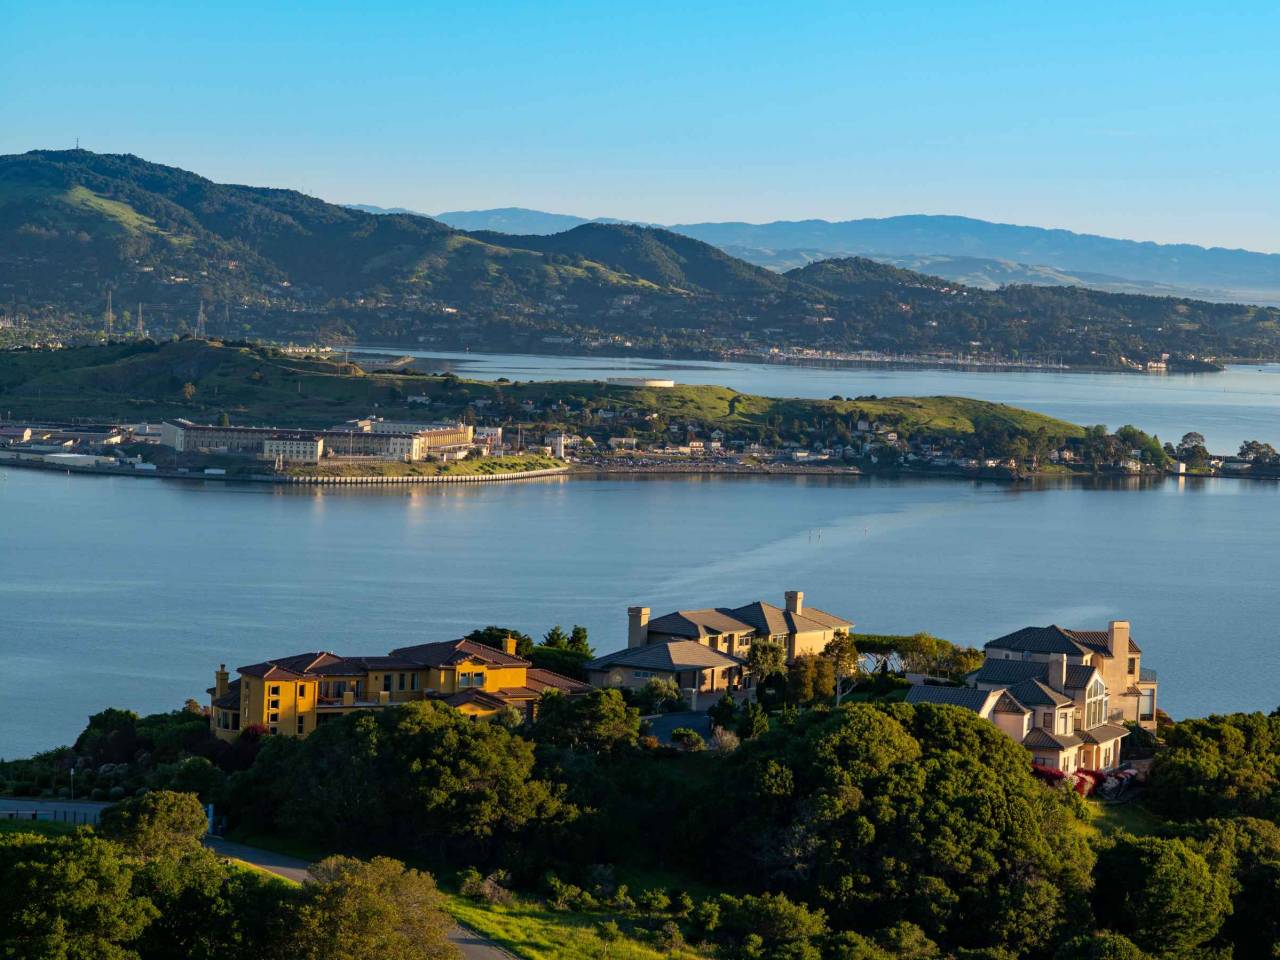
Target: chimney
<point>1118,638</point>
<point>637,626</point>
<point>220,678</point>
<point>509,645</point>
<point>1058,672</point>
<point>795,602</point>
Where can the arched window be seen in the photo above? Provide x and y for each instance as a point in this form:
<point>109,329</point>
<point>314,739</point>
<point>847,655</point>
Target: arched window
<point>1095,711</point>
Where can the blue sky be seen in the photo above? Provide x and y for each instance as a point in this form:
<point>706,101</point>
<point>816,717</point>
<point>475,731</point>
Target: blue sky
<point>1142,120</point>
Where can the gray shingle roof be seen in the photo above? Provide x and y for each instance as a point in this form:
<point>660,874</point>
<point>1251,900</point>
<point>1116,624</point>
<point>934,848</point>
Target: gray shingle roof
<point>670,656</point>
<point>966,697</point>
<point>763,618</point>
<point>1033,693</point>
<point>1009,671</point>
<point>1040,738</point>
<point>1056,639</point>
<point>1104,732</point>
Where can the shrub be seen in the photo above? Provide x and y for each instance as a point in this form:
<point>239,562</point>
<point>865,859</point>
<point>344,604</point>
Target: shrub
<point>688,740</point>
<point>609,931</point>
<point>653,901</point>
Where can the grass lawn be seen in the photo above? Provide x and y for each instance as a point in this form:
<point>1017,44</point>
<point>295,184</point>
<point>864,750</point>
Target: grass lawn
<point>532,931</point>
<point>1133,817</point>
<point>257,871</point>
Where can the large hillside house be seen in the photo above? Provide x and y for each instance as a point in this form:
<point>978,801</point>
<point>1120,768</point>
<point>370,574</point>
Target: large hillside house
<point>691,665</point>
<point>801,629</point>
<point>292,695</point>
<point>1065,695</point>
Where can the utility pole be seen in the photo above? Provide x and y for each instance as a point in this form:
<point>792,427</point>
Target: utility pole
<point>200,330</point>
<point>142,330</point>
<point>108,318</point>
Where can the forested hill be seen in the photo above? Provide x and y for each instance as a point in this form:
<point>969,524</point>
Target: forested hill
<point>76,226</point>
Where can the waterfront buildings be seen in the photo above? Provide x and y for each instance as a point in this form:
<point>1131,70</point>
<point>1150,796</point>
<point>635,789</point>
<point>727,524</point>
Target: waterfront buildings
<point>292,695</point>
<point>368,438</point>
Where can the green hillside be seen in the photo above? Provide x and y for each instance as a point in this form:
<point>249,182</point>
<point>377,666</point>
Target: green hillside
<point>77,227</point>
<point>261,385</point>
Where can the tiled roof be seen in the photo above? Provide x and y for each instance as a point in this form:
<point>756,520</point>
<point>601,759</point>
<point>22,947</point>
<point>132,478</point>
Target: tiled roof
<point>1079,675</point>
<point>670,656</point>
<point>763,618</point>
<point>1033,693</point>
<point>322,664</point>
<point>698,623</point>
<point>967,697</point>
<point>1103,733</point>
<point>229,700</point>
<point>1040,738</point>
<point>1009,671</point>
<point>449,652</point>
<point>536,678</point>
<point>489,699</point>
<point>1008,704</point>
<point>1056,639</point>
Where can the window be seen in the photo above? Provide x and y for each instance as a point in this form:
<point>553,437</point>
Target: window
<point>274,704</point>
<point>386,683</point>
<point>275,690</point>
<point>273,717</point>
<point>273,730</point>
<point>1063,721</point>
<point>302,723</point>
<point>235,721</point>
<point>413,681</point>
<point>1147,705</point>
<point>1040,761</point>
<point>302,691</point>
<point>1133,665</point>
<point>400,682</point>
<point>642,674</point>
<point>1095,708</point>
<point>1047,721</point>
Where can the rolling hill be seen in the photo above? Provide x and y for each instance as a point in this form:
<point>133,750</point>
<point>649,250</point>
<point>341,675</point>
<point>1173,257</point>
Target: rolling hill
<point>76,227</point>
<point>963,249</point>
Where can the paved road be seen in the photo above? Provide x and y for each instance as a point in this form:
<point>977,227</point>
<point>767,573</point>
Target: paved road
<point>470,944</point>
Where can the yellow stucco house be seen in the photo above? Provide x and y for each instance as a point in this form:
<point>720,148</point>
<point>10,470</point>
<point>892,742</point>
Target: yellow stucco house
<point>291,696</point>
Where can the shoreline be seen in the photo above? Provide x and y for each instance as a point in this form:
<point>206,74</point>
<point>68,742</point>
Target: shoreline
<point>672,470</point>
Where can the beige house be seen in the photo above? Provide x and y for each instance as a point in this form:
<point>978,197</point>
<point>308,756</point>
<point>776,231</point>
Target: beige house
<point>1065,695</point>
<point>1112,652</point>
<point>802,630</point>
<point>692,665</point>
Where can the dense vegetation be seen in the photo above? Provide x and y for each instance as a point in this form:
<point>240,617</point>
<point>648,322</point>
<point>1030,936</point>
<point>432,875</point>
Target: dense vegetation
<point>76,225</point>
<point>874,830</point>
<point>142,887</point>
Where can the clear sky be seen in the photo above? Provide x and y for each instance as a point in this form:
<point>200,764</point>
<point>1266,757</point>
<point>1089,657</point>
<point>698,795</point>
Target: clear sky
<point>1156,121</point>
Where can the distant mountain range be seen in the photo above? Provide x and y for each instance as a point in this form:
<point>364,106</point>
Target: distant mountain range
<point>974,252</point>
<point>78,227</point>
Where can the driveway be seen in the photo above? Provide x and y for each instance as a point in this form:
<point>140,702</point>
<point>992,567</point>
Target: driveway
<point>470,944</point>
<point>662,726</point>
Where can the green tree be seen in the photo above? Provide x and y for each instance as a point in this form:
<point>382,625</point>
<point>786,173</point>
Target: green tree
<point>843,654</point>
<point>724,712</point>
<point>1103,945</point>
<point>495,636</point>
<point>1160,893</point>
<point>372,909</point>
<point>766,658</point>
<point>688,740</point>
<point>752,721</point>
<point>599,722</point>
<point>556,638</point>
<point>157,824</point>
<point>801,675</point>
<point>69,899</point>
<point>578,641</point>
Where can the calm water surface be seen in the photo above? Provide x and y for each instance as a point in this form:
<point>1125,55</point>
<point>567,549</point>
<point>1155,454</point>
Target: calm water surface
<point>129,592</point>
<point>1240,404</point>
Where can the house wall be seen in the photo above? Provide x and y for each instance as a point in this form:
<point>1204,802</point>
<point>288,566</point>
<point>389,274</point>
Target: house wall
<point>1015,725</point>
